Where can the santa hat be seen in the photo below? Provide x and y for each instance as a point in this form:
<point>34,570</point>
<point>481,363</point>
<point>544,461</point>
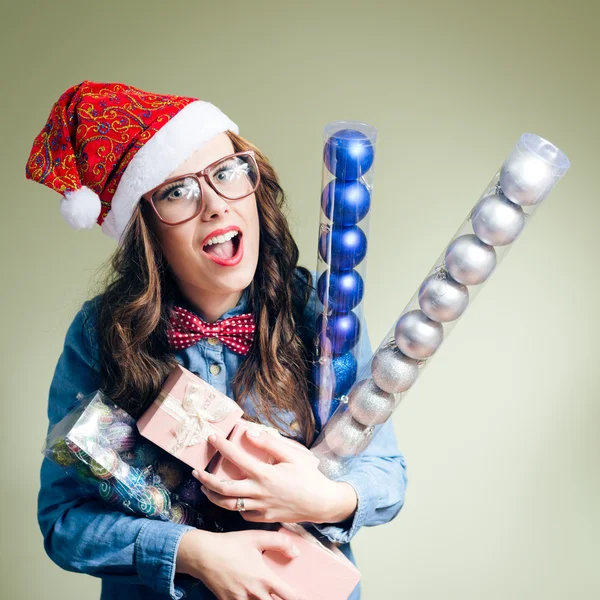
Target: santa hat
<point>106,144</point>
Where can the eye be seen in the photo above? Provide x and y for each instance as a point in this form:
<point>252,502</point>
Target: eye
<point>230,170</point>
<point>179,190</point>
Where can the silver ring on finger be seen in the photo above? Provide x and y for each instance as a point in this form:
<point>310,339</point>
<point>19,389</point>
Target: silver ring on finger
<point>240,504</point>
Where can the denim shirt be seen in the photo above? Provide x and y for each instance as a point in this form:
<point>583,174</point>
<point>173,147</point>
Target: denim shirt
<point>135,556</point>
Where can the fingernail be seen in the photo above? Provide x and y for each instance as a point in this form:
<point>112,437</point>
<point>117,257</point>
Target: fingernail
<point>253,433</point>
<point>195,473</point>
<point>295,551</point>
<point>212,437</point>
<point>203,489</point>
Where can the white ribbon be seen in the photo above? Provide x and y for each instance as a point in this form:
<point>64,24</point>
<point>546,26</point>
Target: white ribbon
<point>197,411</point>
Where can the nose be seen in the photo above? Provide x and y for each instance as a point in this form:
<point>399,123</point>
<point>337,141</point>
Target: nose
<point>214,206</point>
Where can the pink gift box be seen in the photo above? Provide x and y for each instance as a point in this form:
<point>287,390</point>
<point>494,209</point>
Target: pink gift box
<point>226,469</point>
<point>320,572</point>
<point>185,413</point>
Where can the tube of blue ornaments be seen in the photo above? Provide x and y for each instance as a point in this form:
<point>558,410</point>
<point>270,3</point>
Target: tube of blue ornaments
<point>345,203</point>
<point>490,229</point>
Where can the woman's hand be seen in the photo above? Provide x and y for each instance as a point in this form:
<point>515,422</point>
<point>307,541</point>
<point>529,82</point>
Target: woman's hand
<point>291,491</point>
<point>231,564</point>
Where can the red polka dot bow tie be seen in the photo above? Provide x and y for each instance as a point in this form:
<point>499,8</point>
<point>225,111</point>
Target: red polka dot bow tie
<point>235,332</point>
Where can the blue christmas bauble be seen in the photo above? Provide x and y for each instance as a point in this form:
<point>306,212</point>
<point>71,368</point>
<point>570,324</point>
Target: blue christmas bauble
<point>345,202</point>
<point>346,289</point>
<point>344,373</point>
<point>343,247</point>
<point>348,154</point>
<point>341,333</point>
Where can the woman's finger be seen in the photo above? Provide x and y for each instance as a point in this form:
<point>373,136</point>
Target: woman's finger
<point>273,443</point>
<point>252,466</point>
<point>281,589</point>
<point>231,503</point>
<point>227,487</point>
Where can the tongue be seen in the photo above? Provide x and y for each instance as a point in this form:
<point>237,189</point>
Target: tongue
<point>224,250</point>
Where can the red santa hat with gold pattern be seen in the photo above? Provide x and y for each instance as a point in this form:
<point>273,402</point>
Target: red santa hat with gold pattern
<point>106,144</point>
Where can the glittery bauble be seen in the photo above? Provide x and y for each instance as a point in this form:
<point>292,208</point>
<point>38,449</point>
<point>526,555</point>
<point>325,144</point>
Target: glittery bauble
<point>497,221</point>
<point>345,202</point>
<point>343,247</point>
<point>171,474</point>
<point>182,513</point>
<point>346,436</point>
<point>61,454</point>
<point>84,472</point>
<point>526,179</point>
<point>109,458</point>
<point>108,493</point>
<point>443,299</point>
<point>333,466</point>
<point>342,332</point>
<point>147,503</point>
<point>337,376</point>
<point>154,500</point>
<point>102,413</point>
<point>189,491</point>
<point>368,404</point>
<point>346,289</point>
<point>123,416</point>
<point>392,370</point>
<point>145,455</point>
<point>344,370</point>
<point>166,498</point>
<point>120,437</point>
<point>77,451</point>
<point>417,335</point>
<point>469,260</point>
<point>348,154</point>
<point>133,477</point>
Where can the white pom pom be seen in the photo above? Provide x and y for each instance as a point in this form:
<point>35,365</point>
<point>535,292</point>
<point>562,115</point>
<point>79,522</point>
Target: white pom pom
<point>81,208</point>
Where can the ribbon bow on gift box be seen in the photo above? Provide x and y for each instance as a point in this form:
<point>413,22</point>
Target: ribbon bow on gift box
<point>196,413</point>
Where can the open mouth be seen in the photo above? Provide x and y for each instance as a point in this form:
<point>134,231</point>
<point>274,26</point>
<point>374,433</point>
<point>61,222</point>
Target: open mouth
<point>226,249</point>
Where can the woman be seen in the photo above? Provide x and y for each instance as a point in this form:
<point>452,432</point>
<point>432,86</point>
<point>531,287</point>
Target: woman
<point>218,246</point>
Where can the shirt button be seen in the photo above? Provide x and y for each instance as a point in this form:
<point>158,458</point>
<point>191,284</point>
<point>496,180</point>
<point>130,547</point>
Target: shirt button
<point>215,369</point>
<point>213,341</point>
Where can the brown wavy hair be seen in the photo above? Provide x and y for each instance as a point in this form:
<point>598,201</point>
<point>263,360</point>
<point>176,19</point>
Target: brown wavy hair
<point>138,296</point>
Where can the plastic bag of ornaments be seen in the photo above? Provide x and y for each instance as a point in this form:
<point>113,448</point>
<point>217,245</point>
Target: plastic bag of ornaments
<point>98,444</point>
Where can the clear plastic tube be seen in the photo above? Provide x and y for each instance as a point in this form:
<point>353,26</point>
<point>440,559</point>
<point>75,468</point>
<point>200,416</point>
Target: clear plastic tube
<point>482,241</point>
<point>346,200</point>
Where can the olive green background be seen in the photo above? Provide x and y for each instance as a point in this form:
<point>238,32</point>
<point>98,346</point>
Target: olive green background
<point>501,432</point>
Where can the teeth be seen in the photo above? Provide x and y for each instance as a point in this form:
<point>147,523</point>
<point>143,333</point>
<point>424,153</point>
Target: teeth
<point>219,239</point>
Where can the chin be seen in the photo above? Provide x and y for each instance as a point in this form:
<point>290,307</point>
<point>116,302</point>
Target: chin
<point>232,281</point>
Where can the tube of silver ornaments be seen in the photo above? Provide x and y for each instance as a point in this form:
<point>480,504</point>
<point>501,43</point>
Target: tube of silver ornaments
<point>525,178</point>
<point>346,187</point>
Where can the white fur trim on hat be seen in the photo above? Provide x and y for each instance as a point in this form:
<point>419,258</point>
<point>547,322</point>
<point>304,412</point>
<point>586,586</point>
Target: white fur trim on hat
<point>80,208</point>
<point>186,132</point>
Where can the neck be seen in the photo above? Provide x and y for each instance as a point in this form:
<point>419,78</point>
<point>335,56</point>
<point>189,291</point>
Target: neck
<point>209,306</point>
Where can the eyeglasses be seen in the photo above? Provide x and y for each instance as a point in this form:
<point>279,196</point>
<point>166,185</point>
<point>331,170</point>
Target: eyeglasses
<point>179,199</point>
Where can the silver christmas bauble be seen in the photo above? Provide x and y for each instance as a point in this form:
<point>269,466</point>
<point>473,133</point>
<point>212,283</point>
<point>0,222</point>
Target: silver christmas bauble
<point>469,260</point>
<point>443,299</point>
<point>333,466</point>
<point>526,179</point>
<point>497,221</point>
<point>392,370</point>
<point>369,404</point>
<point>346,436</point>
<point>417,335</point>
